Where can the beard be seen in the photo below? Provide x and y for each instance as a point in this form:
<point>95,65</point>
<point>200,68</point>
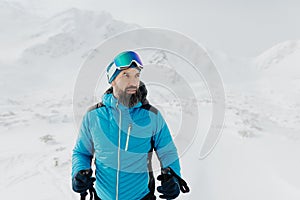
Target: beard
<point>129,100</point>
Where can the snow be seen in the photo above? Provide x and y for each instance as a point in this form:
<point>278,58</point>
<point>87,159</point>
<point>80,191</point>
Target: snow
<point>256,157</point>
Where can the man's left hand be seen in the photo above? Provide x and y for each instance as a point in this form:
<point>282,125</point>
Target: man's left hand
<point>169,188</point>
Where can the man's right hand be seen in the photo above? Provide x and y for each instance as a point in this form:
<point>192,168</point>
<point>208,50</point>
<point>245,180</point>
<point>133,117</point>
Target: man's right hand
<point>83,180</point>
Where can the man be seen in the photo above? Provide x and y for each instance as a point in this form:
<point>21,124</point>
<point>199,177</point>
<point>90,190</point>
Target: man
<point>121,132</point>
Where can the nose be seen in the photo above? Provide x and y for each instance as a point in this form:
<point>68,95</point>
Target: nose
<point>134,81</point>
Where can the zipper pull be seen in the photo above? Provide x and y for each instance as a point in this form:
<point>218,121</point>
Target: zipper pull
<point>128,136</point>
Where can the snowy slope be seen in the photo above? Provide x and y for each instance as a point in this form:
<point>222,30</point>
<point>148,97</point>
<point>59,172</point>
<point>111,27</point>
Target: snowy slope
<point>279,81</point>
<point>280,57</point>
<point>256,157</point>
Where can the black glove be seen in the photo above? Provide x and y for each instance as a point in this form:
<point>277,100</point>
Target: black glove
<point>83,181</point>
<point>170,187</point>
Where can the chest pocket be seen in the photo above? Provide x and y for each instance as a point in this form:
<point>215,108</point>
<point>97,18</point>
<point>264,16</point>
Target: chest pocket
<point>137,138</point>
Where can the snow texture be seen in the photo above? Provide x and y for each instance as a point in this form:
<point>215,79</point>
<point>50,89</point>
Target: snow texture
<point>256,157</point>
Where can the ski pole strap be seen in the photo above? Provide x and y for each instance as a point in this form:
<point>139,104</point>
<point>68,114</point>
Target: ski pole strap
<point>183,185</point>
<point>93,194</point>
<point>83,195</point>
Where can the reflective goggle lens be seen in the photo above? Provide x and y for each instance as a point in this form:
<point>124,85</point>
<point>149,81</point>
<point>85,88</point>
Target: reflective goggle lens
<point>125,59</point>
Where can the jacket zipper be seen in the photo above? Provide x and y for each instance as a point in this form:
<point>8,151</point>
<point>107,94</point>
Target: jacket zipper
<point>119,149</point>
<point>128,136</point>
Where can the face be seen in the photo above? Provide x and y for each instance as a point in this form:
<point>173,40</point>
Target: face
<point>126,83</point>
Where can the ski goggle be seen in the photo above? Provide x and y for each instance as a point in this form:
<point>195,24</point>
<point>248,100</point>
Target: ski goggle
<point>123,61</point>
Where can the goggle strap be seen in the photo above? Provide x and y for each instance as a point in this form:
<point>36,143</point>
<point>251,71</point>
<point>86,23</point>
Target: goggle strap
<point>126,66</point>
<point>111,70</point>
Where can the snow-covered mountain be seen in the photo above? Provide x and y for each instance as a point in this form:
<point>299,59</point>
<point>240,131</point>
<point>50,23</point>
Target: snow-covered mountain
<point>279,81</point>
<point>50,51</point>
<point>73,30</point>
<point>264,110</point>
<point>280,56</point>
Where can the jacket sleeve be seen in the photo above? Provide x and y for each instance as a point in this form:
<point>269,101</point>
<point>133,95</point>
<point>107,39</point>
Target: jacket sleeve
<point>84,148</point>
<point>165,147</point>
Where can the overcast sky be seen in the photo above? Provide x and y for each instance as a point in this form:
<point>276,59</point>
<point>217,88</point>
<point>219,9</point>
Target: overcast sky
<point>236,27</point>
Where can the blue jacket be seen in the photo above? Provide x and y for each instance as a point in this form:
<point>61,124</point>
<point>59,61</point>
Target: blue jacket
<point>120,139</point>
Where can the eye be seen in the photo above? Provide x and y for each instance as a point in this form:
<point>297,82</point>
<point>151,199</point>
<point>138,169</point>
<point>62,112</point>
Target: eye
<point>137,75</point>
<point>125,75</point>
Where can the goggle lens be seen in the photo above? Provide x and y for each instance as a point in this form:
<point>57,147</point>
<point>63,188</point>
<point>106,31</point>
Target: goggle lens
<point>125,59</point>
